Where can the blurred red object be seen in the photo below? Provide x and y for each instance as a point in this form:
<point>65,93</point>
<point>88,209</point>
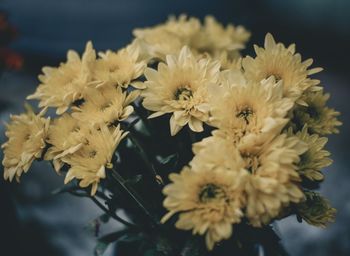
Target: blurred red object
<point>9,59</point>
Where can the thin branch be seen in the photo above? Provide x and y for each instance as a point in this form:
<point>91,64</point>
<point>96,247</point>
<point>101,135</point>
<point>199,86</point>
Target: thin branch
<point>103,208</point>
<point>112,214</point>
<point>133,122</point>
<point>144,157</point>
<point>134,195</point>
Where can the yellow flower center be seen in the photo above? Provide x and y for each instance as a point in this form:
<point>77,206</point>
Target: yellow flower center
<point>113,68</point>
<point>26,136</point>
<point>92,154</point>
<point>278,77</point>
<point>245,113</point>
<point>105,106</point>
<point>183,93</point>
<point>210,192</point>
<point>313,111</point>
<point>251,162</point>
<point>78,102</point>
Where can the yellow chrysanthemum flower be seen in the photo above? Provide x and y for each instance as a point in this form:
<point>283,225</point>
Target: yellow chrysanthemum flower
<point>248,112</point>
<point>214,38</point>
<point>284,64</point>
<point>107,104</point>
<point>66,135</point>
<point>316,115</point>
<point>316,210</point>
<point>271,178</point>
<point>119,68</point>
<point>62,86</point>
<point>274,180</point>
<point>26,135</point>
<point>89,163</point>
<point>168,38</point>
<point>207,199</point>
<point>180,87</point>
<point>315,158</point>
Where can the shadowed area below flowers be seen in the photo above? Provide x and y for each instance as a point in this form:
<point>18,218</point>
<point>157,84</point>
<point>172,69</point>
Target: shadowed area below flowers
<point>35,222</point>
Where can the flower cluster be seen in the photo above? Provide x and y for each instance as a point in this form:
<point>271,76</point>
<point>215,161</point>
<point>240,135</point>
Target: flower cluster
<point>90,98</point>
<point>257,124</point>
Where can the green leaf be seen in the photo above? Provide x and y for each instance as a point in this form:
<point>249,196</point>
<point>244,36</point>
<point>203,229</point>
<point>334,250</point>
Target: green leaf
<point>141,128</point>
<point>106,240</point>
<point>170,160</point>
<point>100,248</point>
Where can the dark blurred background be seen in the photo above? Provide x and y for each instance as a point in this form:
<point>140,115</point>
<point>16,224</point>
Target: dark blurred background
<point>34,222</point>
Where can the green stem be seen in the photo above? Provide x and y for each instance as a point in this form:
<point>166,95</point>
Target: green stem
<point>104,209</point>
<point>134,195</point>
<point>112,214</point>
<point>143,154</point>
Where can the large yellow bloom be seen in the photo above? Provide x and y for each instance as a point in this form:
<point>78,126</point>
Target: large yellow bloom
<point>168,38</point>
<point>89,163</point>
<point>214,38</point>
<point>248,112</point>
<point>66,135</point>
<point>315,158</point>
<point>271,181</point>
<point>284,64</point>
<point>180,87</point>
<point>207,198</point>
<point>316,115</point>
<point>26,135</point>
<point>274,180</point>
<point>210,38</point>
<point>119,68</point>
<point>62,86</point>
<point>107,104</point>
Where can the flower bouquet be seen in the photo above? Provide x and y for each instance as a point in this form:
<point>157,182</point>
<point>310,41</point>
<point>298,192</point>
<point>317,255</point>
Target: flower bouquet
<point>194,148</point>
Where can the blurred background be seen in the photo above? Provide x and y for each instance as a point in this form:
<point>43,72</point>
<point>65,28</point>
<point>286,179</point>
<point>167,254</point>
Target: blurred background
<point>34,222</point>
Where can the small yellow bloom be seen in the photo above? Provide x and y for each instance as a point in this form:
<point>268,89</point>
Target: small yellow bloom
<point>26,135</point>
<point>274,182</point>
<point>62,86</point>
<point>119,68</point>
<point>214,38</point>
<point>248,112</point>
<point>316,210</point>
<point>316,115</point>
<point>180,87</point>
<point>66,135</point>
<point>168,38</point>
<point>89,163</point>
<point>315,158</point>
<point>271,180</point>
<point>107,104</point>
<point>207,198</point>
<point>211,38</point>
<point>284,64</point>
